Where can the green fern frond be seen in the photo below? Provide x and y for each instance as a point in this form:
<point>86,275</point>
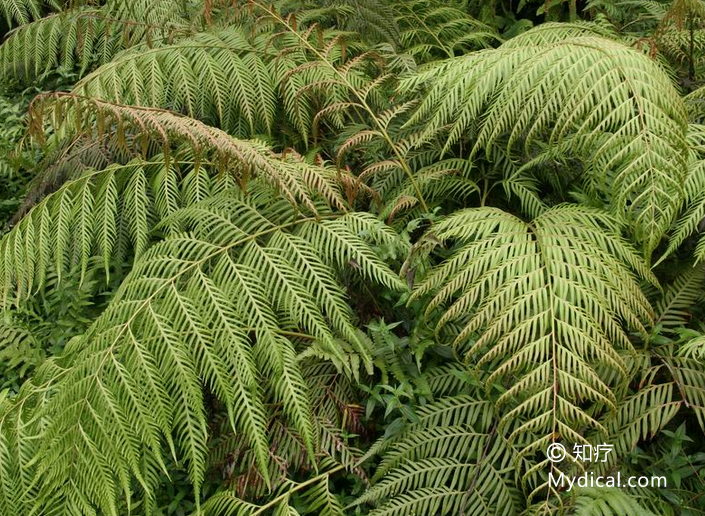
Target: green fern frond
<point>20,12</point>
<point>240,83</point>
<point>541,305</point>
<point>218,78</point>
<point>431,29</point>
<point>213,305</point>
<point>691,221</point>
<point>640,417</point>
<point>444,180</point>
<point>673,309</point>
<point>450,462</point>
<point>552,32</point>
<point>86,36</point>
<point>609,501</point>
<point>118,208</point>
<point>629,120</point>
<point>375,21</point>
<point>316,497</point>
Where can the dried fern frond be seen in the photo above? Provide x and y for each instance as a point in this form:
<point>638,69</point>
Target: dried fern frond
<point>71,114</point>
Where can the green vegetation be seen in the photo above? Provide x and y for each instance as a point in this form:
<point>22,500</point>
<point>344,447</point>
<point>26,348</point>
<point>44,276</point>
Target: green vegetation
<point>350,257</point>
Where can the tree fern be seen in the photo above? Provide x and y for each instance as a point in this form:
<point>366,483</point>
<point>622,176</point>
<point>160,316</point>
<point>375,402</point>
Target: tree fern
<point>606,502</point>
<point>685,292</point>
<point>202,275</point>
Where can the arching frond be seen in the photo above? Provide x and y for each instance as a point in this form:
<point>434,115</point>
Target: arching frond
<point>106,211</point>
<point>217,304</point>
<point>444,180</point>
<point>541,305</point>
<point>219,78</point>
<point>73,114</point>
<point>626,118</point>
<point>240,83</point>
<point>19,12</point>
<point>451,462</point>
<point>86,36</point>
<point>373,20</point>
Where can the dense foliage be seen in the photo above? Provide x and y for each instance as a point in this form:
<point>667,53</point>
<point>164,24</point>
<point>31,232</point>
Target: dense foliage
<point>350,257</point>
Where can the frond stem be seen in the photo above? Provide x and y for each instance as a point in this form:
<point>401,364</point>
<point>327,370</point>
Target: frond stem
<point>298,487</point>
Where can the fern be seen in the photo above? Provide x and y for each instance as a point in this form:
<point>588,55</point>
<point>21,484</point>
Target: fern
<point>85,36</point>
<point>539,312</point>
<point>19,12</point>
<point>602,502</point>
<point>317,497</point>
<point>622,112</point>
<point>184,313</point>
<point>78,115</point>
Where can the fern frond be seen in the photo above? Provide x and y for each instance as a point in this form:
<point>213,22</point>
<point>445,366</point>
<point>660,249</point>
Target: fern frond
<point>448,463</point>
<point>542,305</point>
<point>690,222</point>
<point>673,309</point>
<point>607,501</point>
<point>118,208</point>
<point>218,78</point>
<point>76,114</point>
<point>232,80</point>
<point>430,29</point>
<point>208,306</point>
<point>20,12</point>
<point>640,417</point>
<point>444,180</point>
<point>629,120</point>
<point>316,497</point>
<point>86,36</point>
